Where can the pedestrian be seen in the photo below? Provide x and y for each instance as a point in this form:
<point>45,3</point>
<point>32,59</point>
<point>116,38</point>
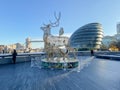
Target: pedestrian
<point>14,54</point>
<point>92,53</point>
<point>3,51</point>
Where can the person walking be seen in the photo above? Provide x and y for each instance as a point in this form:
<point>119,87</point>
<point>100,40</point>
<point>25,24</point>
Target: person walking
<point>14,54</point>
<point>92,53</point>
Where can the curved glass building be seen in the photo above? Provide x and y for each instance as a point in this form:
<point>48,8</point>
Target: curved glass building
<point>88,36</point>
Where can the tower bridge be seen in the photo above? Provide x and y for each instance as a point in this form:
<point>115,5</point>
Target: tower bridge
<point>30,41</point>
<point>36,40</point>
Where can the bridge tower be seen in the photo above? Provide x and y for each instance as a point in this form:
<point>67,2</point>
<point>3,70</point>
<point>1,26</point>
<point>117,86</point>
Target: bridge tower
<point>28,43</point>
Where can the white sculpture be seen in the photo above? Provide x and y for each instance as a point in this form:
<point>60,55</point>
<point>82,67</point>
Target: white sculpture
<point>55,45</point>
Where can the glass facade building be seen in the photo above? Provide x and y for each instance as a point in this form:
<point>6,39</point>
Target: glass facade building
<point>88,36</point>
<point>118,28</point>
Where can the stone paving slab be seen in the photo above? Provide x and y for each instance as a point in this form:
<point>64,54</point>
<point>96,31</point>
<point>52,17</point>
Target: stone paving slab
<point>99,74</point>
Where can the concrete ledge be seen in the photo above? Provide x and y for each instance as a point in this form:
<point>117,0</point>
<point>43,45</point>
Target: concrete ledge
<point>8,60</point>
<point>111,57</point>
<point>24,57</point>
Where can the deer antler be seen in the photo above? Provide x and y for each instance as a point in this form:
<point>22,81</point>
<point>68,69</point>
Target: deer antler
<point>56,23</point>
<point>51,24</point>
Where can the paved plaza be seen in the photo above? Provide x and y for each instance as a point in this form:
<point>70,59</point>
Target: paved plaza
<point>97,74</point>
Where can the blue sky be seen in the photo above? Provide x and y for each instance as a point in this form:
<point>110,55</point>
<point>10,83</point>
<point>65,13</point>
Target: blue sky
<point>20,19</point>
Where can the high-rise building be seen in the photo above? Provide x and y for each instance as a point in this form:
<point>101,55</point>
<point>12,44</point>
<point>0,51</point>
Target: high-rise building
<point>118,28</point>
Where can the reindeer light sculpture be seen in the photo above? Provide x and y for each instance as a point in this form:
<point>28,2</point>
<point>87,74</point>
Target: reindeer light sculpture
<point>56,47</point>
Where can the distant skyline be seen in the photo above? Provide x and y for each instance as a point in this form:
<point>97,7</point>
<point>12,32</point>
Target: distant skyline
<point>20,19</point>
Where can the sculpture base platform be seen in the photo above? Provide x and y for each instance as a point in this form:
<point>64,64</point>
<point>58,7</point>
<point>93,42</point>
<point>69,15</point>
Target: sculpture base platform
<point>60,64</point>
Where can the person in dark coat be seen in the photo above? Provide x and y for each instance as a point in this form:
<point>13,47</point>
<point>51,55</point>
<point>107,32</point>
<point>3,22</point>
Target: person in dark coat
<point>14,54</point>
<point>92,53</point>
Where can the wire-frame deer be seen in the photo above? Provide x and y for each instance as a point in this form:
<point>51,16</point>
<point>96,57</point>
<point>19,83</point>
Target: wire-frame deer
<point>47,27</point>
<point>50,47</point>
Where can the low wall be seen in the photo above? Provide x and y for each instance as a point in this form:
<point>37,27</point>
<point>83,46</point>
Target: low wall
<point>19,59</point>
<point>87,53</point>
<point>111,57</point>
<point>25,58</point>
